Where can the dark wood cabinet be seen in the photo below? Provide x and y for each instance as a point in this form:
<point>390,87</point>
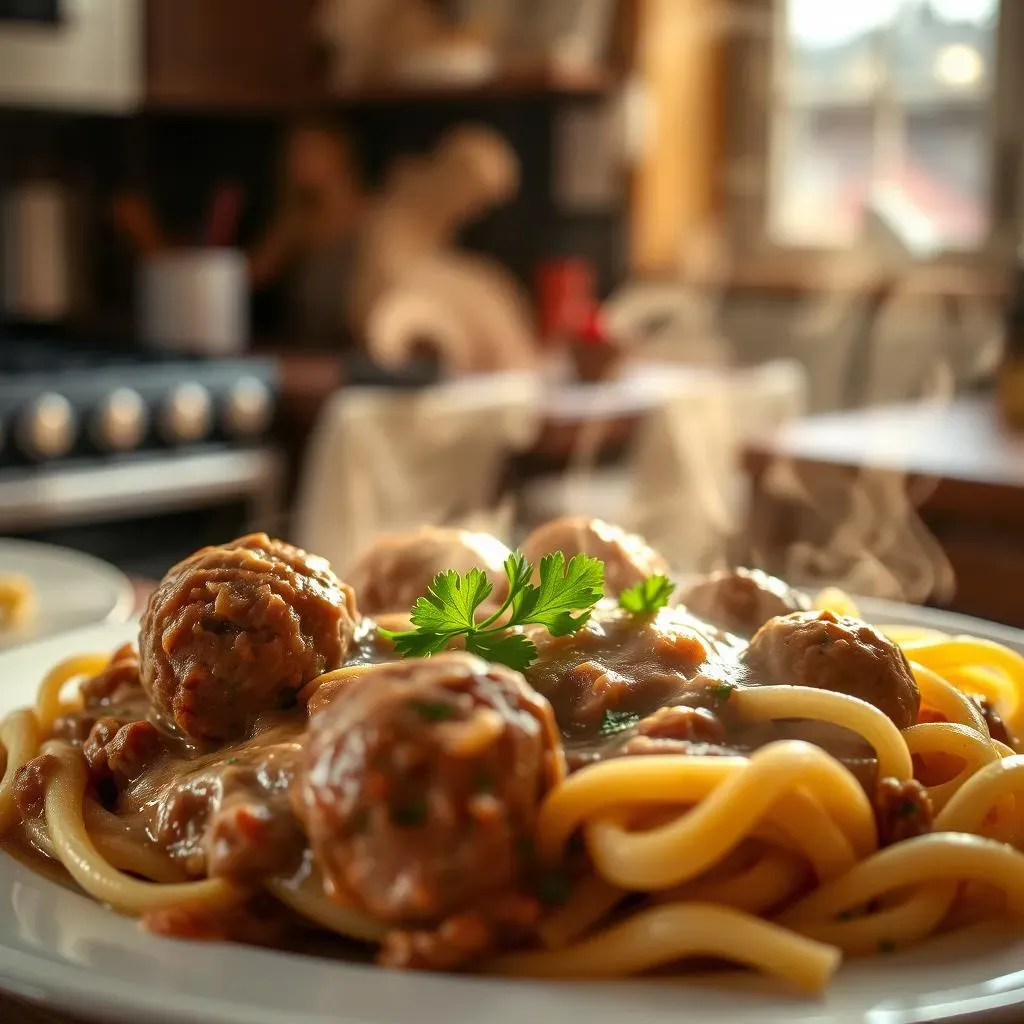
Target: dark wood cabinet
<point>230,54</point>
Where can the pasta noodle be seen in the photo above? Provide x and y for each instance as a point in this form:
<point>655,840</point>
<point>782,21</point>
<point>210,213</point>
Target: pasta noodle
<point>17,601</point>
<point>773,860</point>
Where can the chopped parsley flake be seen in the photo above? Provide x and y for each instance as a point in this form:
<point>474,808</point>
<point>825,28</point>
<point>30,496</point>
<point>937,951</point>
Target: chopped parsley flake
<point>524,847</point>
<point>721,691</point>
<point>410,815</point>
<point>553,888</point>
<point>433,710</point>
<point>617,721</point>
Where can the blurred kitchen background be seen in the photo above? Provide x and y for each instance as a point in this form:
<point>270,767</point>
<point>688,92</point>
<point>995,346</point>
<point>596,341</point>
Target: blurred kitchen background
<point>739,274</point>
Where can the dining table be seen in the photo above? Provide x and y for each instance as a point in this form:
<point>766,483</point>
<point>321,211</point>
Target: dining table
<point>936,480</point>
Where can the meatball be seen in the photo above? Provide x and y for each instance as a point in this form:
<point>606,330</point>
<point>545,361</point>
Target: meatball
<point>627,557</point>
<point>398,568</point>
<point>832,652</point>
<point>420,784</point>
<point>741,601</point>
<point>239,629</point>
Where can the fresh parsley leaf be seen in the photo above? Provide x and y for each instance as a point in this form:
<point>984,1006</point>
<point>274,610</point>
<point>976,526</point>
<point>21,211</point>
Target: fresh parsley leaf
<point>617,721</point>
<point>512,649</point>
<point>448,609</point>
<point>563,589</point>
<point>518,570</point>
<point>413,644</point>
<point>647,596</point>
<point>451,601</point>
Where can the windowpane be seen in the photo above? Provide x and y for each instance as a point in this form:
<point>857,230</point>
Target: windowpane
<point>823,176</point>
<point>891,94</point>
<point>938,56</point>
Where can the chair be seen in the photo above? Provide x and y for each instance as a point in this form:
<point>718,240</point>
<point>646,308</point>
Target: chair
<point>381,460</point>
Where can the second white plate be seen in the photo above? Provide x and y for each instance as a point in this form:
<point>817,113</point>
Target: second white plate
<point>71,589</point>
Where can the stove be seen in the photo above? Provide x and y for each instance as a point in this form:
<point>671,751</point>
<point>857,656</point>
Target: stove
<point>136,457</point>
<point>61,402</point>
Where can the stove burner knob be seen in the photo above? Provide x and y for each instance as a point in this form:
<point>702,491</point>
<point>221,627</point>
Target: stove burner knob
<point>186,416</point>
<point>120,421</point>
<point>247,409</point>
<point>46,430</point>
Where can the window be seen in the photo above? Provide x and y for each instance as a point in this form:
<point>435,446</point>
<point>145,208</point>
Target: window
<point>884,103</point>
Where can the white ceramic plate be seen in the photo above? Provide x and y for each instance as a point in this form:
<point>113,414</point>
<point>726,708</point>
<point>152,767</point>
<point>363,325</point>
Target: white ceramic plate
<point>62,949</point>
<point>71,589</point>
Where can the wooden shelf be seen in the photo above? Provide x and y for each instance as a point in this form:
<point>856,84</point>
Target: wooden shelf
<point>508,85</point>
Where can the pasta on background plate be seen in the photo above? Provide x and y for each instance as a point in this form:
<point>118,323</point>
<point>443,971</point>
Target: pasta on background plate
<point>17,601</point>
<point>551,764</point>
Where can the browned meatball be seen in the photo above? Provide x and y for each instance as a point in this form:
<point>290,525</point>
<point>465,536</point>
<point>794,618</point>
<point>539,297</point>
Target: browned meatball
<point>741,600</point>
<point>627,557</point>
<point>239,629</point>
<point>832,652</point>
<point>420,783</point>
<point>398,568</point>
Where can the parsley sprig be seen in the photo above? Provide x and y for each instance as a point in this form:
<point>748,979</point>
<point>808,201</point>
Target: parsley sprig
<point>647,596</point>
<point>449,608</point>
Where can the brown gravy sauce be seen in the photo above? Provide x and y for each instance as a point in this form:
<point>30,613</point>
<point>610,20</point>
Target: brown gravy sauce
<point>210,810</point>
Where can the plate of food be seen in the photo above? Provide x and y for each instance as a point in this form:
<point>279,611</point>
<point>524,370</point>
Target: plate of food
<point>46,589</point>
<point>557,785</point>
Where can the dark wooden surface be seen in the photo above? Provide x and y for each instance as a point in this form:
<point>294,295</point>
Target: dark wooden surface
<point>230,55</point>
<point>964,466</point>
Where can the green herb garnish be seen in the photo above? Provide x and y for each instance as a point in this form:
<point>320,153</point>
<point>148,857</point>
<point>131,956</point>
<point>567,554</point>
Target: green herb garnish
<point>410,815</point>
<point>433,710</point>
<point>553,888</point>
<point>617,721</point>
<point>647,596</point>
<point>448,610</point>
<point>721,691</point>
<point>524,847</point>
<point>231,760</point>
<point>907,809</point>
<point>886,946</point>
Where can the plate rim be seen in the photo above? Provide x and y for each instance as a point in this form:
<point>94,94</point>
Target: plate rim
<point>72,987</point>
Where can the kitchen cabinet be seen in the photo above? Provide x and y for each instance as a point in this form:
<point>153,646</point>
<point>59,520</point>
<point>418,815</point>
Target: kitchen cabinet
<point>230,55</point>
